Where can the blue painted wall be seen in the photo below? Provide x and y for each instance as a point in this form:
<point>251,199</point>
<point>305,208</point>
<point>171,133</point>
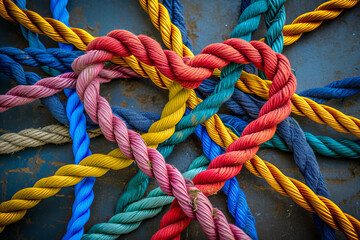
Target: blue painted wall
<point>329,53</point>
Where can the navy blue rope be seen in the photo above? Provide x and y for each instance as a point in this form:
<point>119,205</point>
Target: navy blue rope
<point>248,107</point>
<point>336,90</point>
<point>236,201</point>
<point>176,13</point>
<point>244,5</point>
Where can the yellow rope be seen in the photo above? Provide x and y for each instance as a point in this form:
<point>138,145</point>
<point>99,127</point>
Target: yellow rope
<point>97,165</point>
<point>80,38</point>
<point>308,22</point>
<point>250,83</point>
<point>15,209</point>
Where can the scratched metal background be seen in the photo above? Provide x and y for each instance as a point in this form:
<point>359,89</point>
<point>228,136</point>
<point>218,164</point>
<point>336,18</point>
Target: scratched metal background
<point>318,58</point>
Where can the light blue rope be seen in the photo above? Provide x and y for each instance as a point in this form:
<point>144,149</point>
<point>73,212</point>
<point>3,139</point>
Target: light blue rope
<point>84,194</point>
<point>236,201</point>
<point>207,108</point>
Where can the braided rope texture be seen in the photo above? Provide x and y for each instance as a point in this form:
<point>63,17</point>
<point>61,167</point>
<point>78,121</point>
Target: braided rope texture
<point>33,38</point>
<point>275,20</point>
<point>292,133</point>
<point>251,83</point>
<point>84,194</point>
<point>151,206</point>
<point>223,91</point>
<point>112,137</point>
<point>310,21</point>
<point>260,168</point>
<point>59,134</point>
<point>61,60</point>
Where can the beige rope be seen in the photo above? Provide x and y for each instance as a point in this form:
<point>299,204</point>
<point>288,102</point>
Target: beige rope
<point>55,134</point>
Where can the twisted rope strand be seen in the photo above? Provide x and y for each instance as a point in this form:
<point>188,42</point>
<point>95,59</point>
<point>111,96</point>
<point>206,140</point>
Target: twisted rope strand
<point>335,90</point>
<point>52,28</point>
<point>99,162</point>
<point>101,115</point>
<point>271,178</point>
<point>313,173</point>
<point>56,58</point>
<point>84,194</point>
<point>202,112</point>
<point>59,12</point>
<point>15,71</point>
<point>177,18</point>
<point>31,137</point>
<point>131,217</point>
<point>310,21</point>
<point>59,134</point>
<point>236,202</point>
<point>304,107</point>
<point>33,38</point>
<point>289,130</point>
<point>282,89</point>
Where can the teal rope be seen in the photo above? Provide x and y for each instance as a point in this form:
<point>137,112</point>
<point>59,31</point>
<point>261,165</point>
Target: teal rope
<point>248,22</point>
<point>326,146</point>
<point>131,217</point>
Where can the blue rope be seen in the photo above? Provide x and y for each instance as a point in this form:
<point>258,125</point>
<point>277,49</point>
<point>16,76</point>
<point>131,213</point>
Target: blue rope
<point>9,58</point>
<point>236,202</point>
<point>33,38</point>
<point>176,13</point>
<point>323,145</point>
<point>248,107</point>
<point>289,130</point>
<point>244,5</point>
<point>248,23</point>
<point>14,71</point>
<point>55,58</point>
<point>59,12</point>
<point>61,60</point>
<point>335,90</point>
<point>84,194</point>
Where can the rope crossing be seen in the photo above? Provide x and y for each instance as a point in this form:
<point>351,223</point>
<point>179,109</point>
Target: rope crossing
<point>253,79</point>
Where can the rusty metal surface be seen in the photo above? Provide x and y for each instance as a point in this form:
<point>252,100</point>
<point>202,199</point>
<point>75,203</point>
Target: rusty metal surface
<point>329,53</point>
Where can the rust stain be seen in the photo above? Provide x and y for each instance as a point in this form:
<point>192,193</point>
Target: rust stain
<point>145,99</point>
<point>60,221</point>
<point>4,131</point>
<point>97,26</point>
<point>129,87</point>
<point>77,16</point>
<point>38,160</point>
<point>22,170</point>
<point>62,97</point>
<point>108,98</point>
<point>193,120</point>
<point>127,94</point>
<point>90,28</point>
<point>58,164</point>
<point>192,28</point>
<point>353,173</point>
<point>349,103</point>
<point>124,104</point>
<point>225,37</point>
<point>350,199</point>
<point>59,195</point>
<point>111,181</point>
